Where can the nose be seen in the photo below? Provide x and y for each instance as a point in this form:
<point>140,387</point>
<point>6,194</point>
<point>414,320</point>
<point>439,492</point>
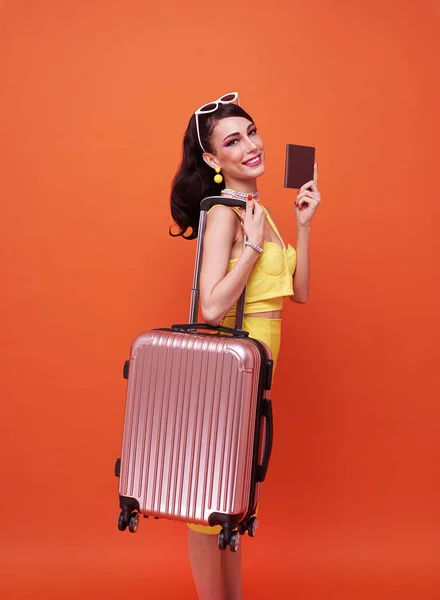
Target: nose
<point>250,144</point>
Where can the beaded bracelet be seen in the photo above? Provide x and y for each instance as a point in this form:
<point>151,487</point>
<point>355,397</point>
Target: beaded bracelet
<point>254,246</point>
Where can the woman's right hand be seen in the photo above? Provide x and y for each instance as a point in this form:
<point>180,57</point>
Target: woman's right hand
<point>254,222</point>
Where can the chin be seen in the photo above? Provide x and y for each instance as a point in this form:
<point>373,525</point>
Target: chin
<point>252,172</point>
<point>261,170</point>
<point>256,172</point>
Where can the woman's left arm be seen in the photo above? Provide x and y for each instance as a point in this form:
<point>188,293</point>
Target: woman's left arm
<point>307,201</point>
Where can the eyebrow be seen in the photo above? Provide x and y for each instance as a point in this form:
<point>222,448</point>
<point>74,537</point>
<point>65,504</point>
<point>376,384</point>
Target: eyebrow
<point>238,133</point>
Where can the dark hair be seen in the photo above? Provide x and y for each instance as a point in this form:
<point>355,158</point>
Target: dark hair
<point>194,179</point>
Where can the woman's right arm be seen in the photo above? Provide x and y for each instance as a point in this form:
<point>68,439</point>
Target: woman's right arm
<point>220,290</point>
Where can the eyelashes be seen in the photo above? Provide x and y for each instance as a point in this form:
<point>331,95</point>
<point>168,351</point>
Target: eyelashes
<point>233,142</point>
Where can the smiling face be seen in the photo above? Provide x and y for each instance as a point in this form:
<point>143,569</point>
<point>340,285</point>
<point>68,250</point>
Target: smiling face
<point>238,151</point>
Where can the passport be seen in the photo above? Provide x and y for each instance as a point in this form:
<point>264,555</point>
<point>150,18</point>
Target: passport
<point>299,168</point>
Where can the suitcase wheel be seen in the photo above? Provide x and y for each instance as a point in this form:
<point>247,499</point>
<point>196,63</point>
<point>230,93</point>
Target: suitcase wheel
<point>252,527</point>
<point>122,524</point>
<point>234,542</point>
<point>222,543</point>
<point>133,522</point>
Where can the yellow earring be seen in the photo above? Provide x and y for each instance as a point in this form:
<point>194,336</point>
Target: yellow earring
<point>218,178</point>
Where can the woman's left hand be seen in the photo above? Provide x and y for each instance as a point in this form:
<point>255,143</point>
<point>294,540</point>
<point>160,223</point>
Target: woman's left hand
<point>307,201</point>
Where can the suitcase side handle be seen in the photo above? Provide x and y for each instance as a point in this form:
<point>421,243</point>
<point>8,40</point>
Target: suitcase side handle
<point>267,413</point>
<point>232,331</point>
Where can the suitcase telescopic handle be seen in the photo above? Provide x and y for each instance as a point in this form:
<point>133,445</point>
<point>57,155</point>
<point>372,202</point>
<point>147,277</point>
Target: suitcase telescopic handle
<point>205,205</point>
<point>267,413</point>
<point>211,201</point>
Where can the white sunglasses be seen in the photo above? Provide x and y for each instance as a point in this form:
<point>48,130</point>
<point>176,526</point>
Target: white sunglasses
<point>212,107</point>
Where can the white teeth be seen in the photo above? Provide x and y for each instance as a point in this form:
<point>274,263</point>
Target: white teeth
<point>252,161</point>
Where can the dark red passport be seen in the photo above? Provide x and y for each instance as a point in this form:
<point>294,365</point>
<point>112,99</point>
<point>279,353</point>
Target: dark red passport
<point>300,161</point>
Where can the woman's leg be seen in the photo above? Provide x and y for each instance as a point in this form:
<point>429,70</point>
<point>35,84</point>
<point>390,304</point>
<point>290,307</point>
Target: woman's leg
<point>205,559</point>
<point>231,574</point>
<point>216,573</point>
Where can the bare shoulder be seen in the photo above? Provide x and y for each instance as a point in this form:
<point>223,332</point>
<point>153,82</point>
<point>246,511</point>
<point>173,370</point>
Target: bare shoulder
<point>222,220</point>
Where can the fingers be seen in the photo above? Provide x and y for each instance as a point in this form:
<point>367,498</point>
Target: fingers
<point>310,185</point>
<point>250,207</point>
<point>259,214</point>
<point>308,198</point>
<point>306,194</point>
<point>307,203</point>
<point>313,183</point>
<point>303,202</point>
<point>253,210</point>
<point>250,204</point>
<point>252,223</point>
<point>248,215</point>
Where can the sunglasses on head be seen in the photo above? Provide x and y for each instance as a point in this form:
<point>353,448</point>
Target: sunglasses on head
<point>212,107</point>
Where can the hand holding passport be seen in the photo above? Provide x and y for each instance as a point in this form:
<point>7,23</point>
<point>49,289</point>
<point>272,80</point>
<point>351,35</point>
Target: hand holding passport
<point>301,171</point>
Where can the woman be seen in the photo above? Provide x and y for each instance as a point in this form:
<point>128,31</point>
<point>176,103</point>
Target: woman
<point>222,142</point>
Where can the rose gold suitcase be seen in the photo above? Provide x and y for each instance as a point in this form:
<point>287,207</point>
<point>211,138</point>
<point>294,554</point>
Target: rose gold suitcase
<point>198,426</point>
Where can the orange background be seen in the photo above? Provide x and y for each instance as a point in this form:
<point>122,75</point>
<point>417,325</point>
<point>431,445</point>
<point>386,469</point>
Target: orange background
<point>95,100</point>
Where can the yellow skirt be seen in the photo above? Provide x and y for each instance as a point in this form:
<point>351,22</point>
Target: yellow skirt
<point>269,332</point>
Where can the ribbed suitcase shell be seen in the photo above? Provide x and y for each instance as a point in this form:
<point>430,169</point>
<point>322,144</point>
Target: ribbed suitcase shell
<point>193,411</point>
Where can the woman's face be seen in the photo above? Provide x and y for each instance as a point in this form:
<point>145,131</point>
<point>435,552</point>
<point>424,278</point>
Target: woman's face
<point>238,149</point>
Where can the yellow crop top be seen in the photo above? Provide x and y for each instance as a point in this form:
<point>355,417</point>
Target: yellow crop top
<point>271,278</point>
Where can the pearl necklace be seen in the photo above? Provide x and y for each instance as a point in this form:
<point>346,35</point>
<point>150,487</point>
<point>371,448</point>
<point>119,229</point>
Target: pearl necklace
<point>247,196</point>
